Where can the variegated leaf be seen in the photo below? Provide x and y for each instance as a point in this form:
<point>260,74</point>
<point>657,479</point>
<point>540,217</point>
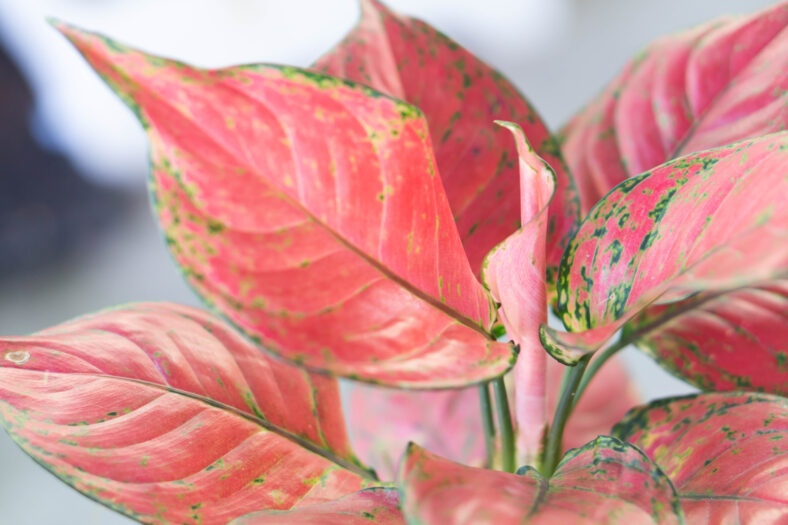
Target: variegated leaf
<point>726,453</point>
<point>711,221</point>
<point>604,482</point>
<point>309,210</point>
<point>162,413</point>
<point>732,341</point>
<point>713,85</point>
<point>460,96</point>
<point>377,505</point>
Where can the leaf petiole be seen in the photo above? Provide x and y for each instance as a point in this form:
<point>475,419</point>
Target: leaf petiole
<point>553,448</point>
<point>505,425</point>
<point>487,423</point>
<point>597,363</point>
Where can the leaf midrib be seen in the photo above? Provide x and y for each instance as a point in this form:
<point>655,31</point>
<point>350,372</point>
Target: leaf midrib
<point>340,239</point>
<point>311,447</point>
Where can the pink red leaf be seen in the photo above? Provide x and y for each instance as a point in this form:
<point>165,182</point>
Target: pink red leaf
<point>460,96</point>
<point>378,505</point>
<point>163,413</point>
<point>711,221</point>
<point>726,453</point>
<point>309,210</point>
<point>514,272</point>
<point>707,87</point>
<point>381,422</point>
<point>192,351</point>
<point>606,481</point>
<point>732,341</point>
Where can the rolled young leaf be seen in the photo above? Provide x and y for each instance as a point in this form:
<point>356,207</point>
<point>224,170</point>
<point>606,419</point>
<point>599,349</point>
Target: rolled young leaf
<point>309,210</point>
<point>711,221</point>
<point>514,273</point>
<point>713,85</point>
<point>162,413</point>
<point>730,341</point>
<point>604,482</point>
<point>724,452</point>
<point>460,96</point>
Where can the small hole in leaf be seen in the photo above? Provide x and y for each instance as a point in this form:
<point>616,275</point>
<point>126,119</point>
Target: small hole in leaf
<point>18,357</point>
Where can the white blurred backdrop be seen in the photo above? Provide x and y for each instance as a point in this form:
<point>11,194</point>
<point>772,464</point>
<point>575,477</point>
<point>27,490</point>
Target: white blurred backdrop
<point>558,52</point>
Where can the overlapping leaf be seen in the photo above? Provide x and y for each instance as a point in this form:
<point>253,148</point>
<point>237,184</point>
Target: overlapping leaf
<point>309,210</point>
<point>606,481</point>
<point>733,341</point>
<point>726,453</point>
<point>707,87</point>
<point>460,96</point>
<point>192,351</point>
<point>711,221</point>
<point>162,413</point>
<point>381,422</point>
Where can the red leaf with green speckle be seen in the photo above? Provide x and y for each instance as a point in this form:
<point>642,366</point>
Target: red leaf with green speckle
<point>710,222</point>
<point>703,88</point>
<point>381,421</point>
<point>165,414</point>
<point>378,505</point>
<point>733,341</point>
<point>726,453</point>
<point>460,96</point>
<point>606,481</point>
<point>310,212</point>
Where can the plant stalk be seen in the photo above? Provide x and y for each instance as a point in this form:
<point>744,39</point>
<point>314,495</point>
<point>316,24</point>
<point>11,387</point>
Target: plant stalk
<point>555,438</point>
<point>487,423</point>
<point>505,425</point>
<point>597,363</point>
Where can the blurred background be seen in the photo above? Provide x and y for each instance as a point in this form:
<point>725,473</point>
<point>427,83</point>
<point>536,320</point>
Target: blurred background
<point>76,234</point>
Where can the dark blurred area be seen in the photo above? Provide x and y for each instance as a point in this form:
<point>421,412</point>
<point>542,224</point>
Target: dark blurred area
<point>47,210</point>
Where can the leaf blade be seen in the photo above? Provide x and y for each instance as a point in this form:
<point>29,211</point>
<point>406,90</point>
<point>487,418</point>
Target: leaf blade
<point>722,451</point>
<point>163,413</point>
<point>721,342</point>
<point>706,87</point>
<point>371,283</point>
<point>705,222</point>
<point>610,482</point>
<point>461,96</point>
<point>378,505</point>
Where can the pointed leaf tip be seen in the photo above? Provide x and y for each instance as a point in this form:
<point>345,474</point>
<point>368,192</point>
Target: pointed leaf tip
<point>561,350</point>
<point>519,135</point>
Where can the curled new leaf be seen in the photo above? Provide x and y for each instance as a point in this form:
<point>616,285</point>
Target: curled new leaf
<point>309,210</point>
<point>514,273</point>
<point>713,85</point>
<point>162,413</point>
<point>711,221</point>
<point>725,454</point>
<point>460,96</point>
<point>604,482</point>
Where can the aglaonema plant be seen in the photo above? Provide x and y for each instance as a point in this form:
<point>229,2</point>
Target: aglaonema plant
<point>399,216</point>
